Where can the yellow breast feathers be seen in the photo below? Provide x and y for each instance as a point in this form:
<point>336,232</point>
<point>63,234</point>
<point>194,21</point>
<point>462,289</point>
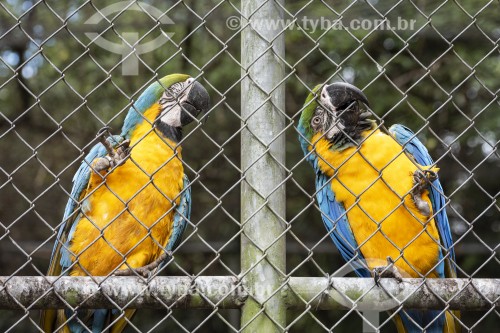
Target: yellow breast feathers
<point>130,216</point>
<point>373,183</point>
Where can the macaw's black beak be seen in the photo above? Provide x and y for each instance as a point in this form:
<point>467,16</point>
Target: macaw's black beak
<point>344,95</point>
<point>197,102</point>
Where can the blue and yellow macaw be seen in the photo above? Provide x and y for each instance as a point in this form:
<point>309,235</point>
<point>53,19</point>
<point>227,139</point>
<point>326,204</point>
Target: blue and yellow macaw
<point>130,200</point>
<point>379,196</point>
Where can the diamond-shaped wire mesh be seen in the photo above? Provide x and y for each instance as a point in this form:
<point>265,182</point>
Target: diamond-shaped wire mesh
<point>68,69</point>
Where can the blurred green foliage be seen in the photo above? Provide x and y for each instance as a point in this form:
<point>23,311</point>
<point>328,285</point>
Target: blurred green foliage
<point>57,88</point>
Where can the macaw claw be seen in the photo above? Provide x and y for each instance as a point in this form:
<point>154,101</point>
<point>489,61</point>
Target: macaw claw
<point>421,180</point>
<point>389,271</point>
<point>101,164</point>
<point>146,270</point>
<point>115,157</point>
<point>100,134</point>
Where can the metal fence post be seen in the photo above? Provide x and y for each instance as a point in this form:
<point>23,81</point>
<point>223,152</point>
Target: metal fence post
<point>262,152</point>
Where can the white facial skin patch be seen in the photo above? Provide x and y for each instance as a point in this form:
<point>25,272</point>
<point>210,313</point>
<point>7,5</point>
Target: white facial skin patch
<point>171,101</point>
<point>335,126</point>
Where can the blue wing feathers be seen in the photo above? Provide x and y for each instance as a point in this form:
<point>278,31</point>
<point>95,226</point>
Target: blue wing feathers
<point>80,183</point>
<point>335,220</point>
<point>181,216</point>
<point>415,148</point>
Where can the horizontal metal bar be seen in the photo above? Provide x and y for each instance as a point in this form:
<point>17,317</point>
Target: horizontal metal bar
<point>36,292</point>
<point>52,292</point>
<point>342,293</point>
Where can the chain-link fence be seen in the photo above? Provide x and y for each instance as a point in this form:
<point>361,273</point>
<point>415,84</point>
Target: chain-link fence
<point>254,255</point>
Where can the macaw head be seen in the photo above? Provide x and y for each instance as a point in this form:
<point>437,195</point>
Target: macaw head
<point>334,112</point>
<point>169,104</point>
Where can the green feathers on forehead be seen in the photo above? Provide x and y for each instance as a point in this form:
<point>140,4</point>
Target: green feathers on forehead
<point>308,112</point>
<point>150,96</point>
<point>169,80</point>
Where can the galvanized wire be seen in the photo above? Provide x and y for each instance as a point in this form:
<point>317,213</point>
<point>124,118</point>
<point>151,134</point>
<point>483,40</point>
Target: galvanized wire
<point>58,86</point>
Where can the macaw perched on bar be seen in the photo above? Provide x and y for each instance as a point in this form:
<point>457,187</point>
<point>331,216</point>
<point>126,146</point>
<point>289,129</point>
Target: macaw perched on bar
<point>130,200</point>
<point>379,196</point>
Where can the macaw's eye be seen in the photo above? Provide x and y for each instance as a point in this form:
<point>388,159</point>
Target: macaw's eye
<point>316,120</point>
<point>173,92</point>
